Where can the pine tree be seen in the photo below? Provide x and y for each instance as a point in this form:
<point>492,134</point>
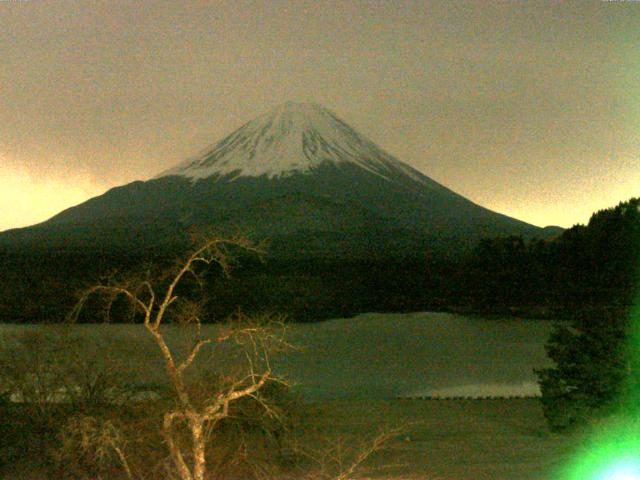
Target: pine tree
<point>594,360</point>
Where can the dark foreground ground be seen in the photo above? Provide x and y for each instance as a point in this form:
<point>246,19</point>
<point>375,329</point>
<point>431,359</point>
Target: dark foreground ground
<point>454,439</point>
<point>445,439</point>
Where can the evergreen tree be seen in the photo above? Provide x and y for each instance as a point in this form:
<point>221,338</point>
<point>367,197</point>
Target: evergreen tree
<point>592,355</point>
<point>589,373</point>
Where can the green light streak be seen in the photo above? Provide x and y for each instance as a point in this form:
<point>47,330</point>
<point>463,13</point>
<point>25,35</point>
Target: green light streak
<point>631,399</point>
<point>613,453</point>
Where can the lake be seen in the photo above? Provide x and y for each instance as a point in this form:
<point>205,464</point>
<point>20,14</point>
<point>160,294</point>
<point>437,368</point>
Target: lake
<point>372,355</point>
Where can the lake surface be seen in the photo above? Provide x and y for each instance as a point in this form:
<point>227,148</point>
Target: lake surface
<point>374,355</point>
<point>417,354</point>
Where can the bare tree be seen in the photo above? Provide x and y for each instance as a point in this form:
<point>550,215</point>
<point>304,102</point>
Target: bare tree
<point>345,457</point>
<point>158,302</point>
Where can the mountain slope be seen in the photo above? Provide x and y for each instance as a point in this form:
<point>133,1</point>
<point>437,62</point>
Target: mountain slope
<point>291,174</point>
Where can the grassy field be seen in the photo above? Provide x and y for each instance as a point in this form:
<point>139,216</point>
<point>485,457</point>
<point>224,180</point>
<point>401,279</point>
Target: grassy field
<point>444,439</point>
<point>453,439</point>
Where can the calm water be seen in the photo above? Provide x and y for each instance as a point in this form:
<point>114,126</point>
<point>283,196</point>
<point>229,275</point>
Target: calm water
<point>419,354</point>
<point>374,355</point>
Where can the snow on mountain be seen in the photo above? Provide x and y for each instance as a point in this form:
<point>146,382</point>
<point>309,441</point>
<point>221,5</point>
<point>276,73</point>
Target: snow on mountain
<point>292,138</point>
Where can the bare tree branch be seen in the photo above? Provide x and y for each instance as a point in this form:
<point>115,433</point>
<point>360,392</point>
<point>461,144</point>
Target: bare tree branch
<point>192,355</point>
<point>155,303</point>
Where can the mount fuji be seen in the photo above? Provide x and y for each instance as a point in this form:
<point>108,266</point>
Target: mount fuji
<point>297,175</point>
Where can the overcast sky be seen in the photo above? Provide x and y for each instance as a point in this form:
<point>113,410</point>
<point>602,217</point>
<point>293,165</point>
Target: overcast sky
<point>528,108</point>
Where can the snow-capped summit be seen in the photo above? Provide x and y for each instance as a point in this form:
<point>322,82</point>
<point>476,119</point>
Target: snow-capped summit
<point>291,138</point>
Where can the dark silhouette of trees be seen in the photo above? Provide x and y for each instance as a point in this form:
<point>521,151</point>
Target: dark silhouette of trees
<point>497,272</point>
<point>597,268</point>
<point>586,268</point>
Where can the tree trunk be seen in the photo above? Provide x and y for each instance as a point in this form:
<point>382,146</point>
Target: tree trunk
<point>174,450</point>
<point>199,460</point>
